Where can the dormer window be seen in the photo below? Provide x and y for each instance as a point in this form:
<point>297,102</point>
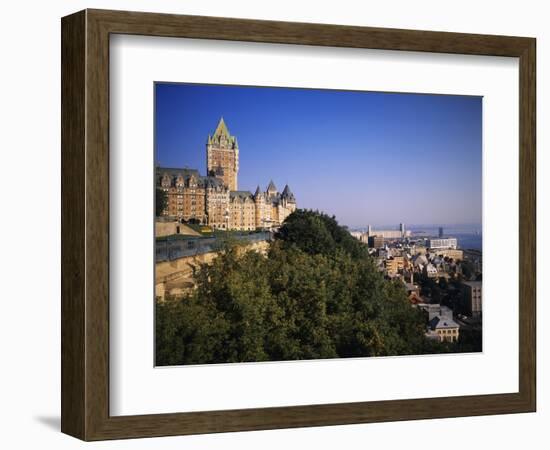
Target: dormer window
<point>165,182</point>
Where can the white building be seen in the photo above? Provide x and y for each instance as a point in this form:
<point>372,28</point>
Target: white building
<point>431,270</point>
<point>402,232</point>
<point>442,243</point>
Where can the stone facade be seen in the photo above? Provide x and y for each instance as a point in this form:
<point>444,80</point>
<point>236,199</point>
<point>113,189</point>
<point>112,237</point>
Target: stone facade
<point>472,296</point>
<point>394,265</point>
<point>222,156</point>
<point>242,211</point>
<point>214,199</point>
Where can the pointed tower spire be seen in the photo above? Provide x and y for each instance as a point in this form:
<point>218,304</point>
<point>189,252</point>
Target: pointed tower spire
<point>288,195</point>
<point>258,191</point>
<point>222,129</point>
<point>271,187</point>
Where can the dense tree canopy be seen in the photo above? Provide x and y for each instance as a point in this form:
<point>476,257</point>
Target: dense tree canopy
<point>317,233</point>
<point>316,294</point>
<point>161,201</point>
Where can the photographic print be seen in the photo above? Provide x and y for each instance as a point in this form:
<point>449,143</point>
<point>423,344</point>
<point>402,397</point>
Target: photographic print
<point>303,224</point>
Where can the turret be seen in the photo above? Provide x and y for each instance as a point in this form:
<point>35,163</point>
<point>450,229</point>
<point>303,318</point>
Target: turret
<point>258,193</point>
<point>271,189</point>
<point>288,195</point>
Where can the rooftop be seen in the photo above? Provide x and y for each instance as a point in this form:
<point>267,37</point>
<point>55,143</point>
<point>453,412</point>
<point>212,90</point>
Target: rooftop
<point>241,195</point>
<point>438,323</point>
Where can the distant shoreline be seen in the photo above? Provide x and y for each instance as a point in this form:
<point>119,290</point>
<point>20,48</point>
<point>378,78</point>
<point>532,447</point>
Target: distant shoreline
<point>468,236</point>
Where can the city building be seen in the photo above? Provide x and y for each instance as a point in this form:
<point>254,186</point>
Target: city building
<point>430,270</point>
<point>394,265</point>
<point>242,210</point>
<point>401,233</point>
<point>413,292</point>
<point>443,329</point>
<point>415,298</point>
<point>356,234</point>
<point>442,243</point>
<point>420,261</point>
<point>475,257</point>
<point>186,192</point>
<point>471,291</point>
<point>441,325</point>
<point>214,199</point>
<point>418,250</point>
<point>376,241</point>
<point>411,288</point>
<point>453,253</point>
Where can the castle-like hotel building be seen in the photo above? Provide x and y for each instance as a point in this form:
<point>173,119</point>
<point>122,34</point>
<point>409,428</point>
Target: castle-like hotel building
<point>214,199</point>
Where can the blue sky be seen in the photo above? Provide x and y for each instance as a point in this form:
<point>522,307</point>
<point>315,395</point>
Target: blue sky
<point>366,157</point>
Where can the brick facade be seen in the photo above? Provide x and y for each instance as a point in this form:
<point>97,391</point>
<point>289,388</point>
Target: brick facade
<point>214,199</point>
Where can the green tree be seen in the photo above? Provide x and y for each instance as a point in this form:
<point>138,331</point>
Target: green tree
<point>316,294</point>
<point>161,201</point>
<point>468,269</point>
<point>317,233</point>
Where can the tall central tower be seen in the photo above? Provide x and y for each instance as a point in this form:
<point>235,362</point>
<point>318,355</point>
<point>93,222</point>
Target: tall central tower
<point>222,156</point>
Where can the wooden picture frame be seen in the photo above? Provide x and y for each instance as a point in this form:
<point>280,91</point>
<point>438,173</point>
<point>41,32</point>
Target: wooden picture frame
<point>85,224</point>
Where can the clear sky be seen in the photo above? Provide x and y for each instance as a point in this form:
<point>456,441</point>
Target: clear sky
<point>366,157</point>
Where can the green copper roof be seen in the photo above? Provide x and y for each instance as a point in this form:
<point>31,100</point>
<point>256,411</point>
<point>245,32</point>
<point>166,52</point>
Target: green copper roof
<point>222,129</point>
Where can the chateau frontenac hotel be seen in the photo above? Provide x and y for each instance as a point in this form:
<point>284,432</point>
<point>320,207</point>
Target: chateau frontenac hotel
<point>214,199</point>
